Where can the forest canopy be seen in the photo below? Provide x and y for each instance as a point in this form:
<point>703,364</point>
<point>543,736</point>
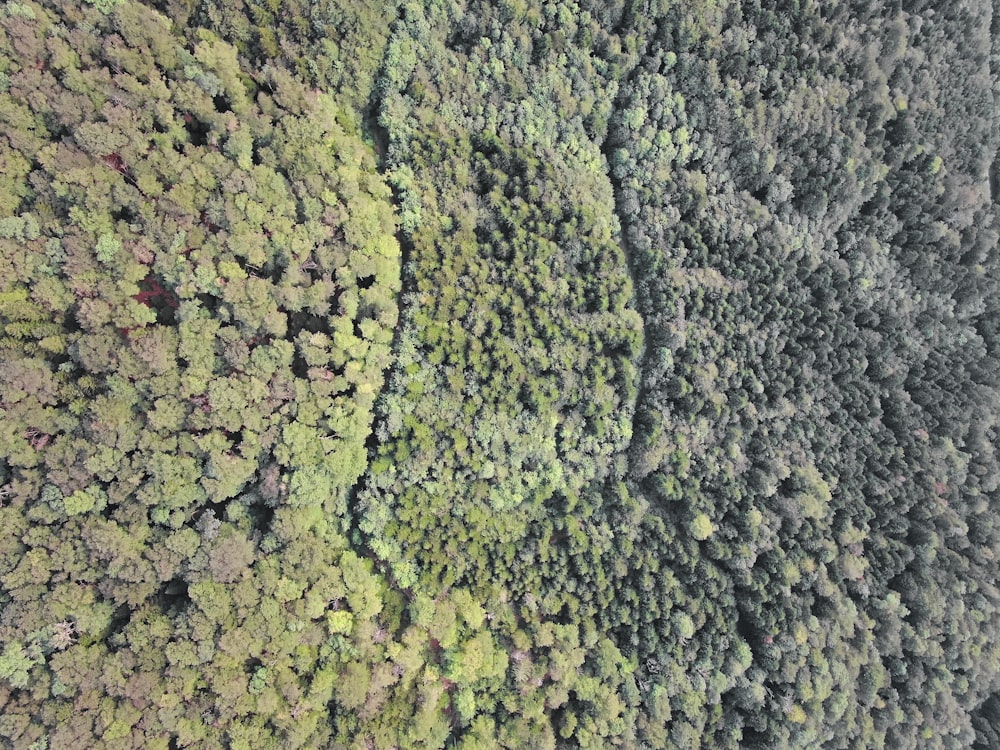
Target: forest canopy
<point>499,375</point>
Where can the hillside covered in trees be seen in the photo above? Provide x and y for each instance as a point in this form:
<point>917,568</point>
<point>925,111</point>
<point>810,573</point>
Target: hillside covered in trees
<point>518,374</point>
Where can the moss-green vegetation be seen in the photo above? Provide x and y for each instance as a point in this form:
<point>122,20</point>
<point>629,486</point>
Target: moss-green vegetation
<point>499,375</point>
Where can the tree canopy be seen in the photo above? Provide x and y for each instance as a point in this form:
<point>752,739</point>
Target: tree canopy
<point>499,375</point>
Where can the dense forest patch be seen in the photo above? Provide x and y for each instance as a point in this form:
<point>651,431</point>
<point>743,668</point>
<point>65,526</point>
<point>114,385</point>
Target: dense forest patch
<point>519,374</point>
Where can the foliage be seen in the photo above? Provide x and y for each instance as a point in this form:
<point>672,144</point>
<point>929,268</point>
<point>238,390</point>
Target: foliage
<point>520,374</point>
